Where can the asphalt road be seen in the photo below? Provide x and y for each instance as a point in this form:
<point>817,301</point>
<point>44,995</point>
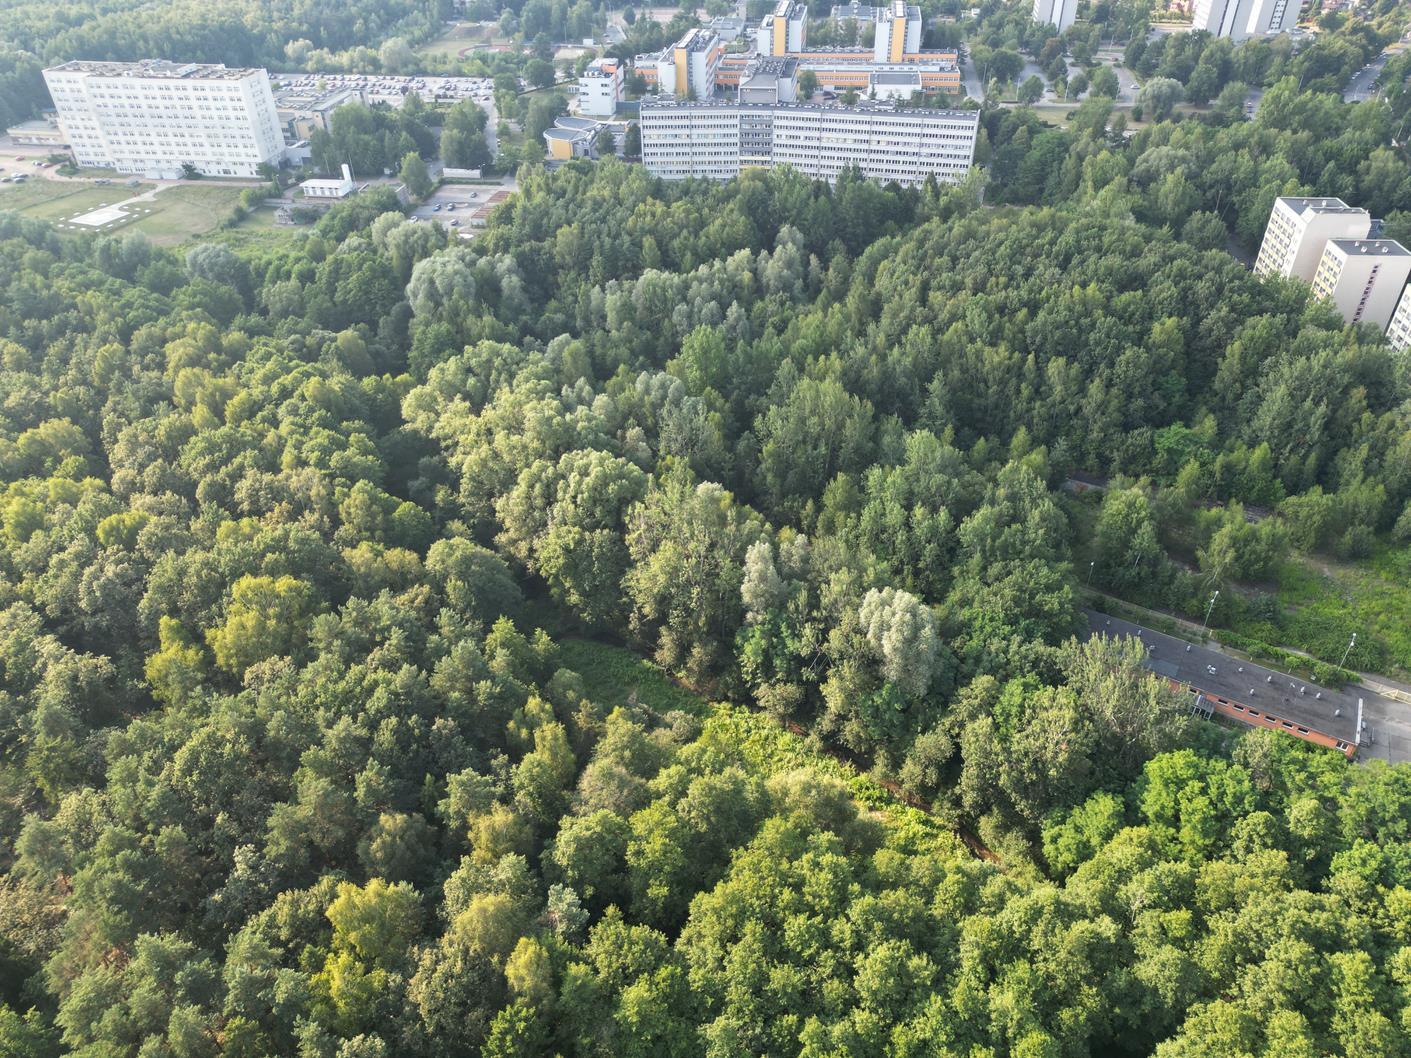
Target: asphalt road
<point>1387,732</point>
<point>1388,735</point>
<point>1360,89</point>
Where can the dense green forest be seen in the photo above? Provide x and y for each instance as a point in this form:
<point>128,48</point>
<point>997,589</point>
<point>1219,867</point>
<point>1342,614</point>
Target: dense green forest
<point>235,32</point>
<point>313,547</point>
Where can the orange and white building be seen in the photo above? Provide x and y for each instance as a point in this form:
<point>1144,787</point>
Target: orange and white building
<point>687,69</point>
<point>600,88</point>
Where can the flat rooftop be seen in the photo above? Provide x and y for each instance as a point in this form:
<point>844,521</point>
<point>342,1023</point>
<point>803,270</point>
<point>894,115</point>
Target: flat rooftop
<point>775,67</point>
<point>1324,204</point>
<point>1370,247</point>
<point>840,58</point>
<point>1277,694</point>
<point>567,121</point>
<point>157,69</point>
<point>698,40</point>
<point>865,107</point>
<point>300,98</point>
<point>897,78</point>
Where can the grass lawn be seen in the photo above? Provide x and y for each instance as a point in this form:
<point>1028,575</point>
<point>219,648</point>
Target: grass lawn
<point>173,216</point>
<point>55,199</point>
<point>258,227</point>
<point>183,212</point>
<point>1322,602</point>
<point>462,35</point>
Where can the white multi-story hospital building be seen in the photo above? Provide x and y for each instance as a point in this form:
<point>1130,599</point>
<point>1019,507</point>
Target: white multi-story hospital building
<point>152,117</point>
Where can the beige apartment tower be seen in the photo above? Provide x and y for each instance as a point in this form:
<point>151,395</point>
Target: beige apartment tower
<point>1399,330</point>
<point>1298,230</point>
<point>1363,278</point>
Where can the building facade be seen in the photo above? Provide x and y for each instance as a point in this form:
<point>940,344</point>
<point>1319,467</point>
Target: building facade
<point>1057,13</point>
<point>600,88</point>
<point>1363,278</point>
<point>303,112</point>
<point>1241,19</point>
<point>1299,228</point>
<point>898,32</point>
<point>1222,18</point>
<point>1399,330</point>
<point>686,69</point>
<point>1269,18</point>
<point>771,81</point>
<point>784,31</point>
<point>154,117</point>
<point>718,140</point>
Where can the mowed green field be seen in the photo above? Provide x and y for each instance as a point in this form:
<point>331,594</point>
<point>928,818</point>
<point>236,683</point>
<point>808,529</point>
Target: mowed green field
<point>56,200</point>
<point>454,40</point>
<point>186,211</point>
<point>173,216</point>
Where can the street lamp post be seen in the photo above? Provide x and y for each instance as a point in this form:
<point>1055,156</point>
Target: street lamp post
<point>1350,644</point>
<point>1208,610</point>
<point>1090,572</point>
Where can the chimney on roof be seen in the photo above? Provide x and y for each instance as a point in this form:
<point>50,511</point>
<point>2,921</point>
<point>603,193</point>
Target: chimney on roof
<point>347,173</point>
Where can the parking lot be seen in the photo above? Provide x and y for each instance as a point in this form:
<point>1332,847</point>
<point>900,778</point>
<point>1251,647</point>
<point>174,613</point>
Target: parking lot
<point>457,205</point>
<point>383,88</point>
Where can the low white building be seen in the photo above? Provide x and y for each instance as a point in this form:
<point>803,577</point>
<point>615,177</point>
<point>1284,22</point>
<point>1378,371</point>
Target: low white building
<point>1363,278</point>
<point>577,137</point>
<point>718,140</point>
<point>155,117</point>
<point>1298,229</point>
<point>770,81</point>
<point>38,133</point>
<point>899,85</point>
<point>330,188</point>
